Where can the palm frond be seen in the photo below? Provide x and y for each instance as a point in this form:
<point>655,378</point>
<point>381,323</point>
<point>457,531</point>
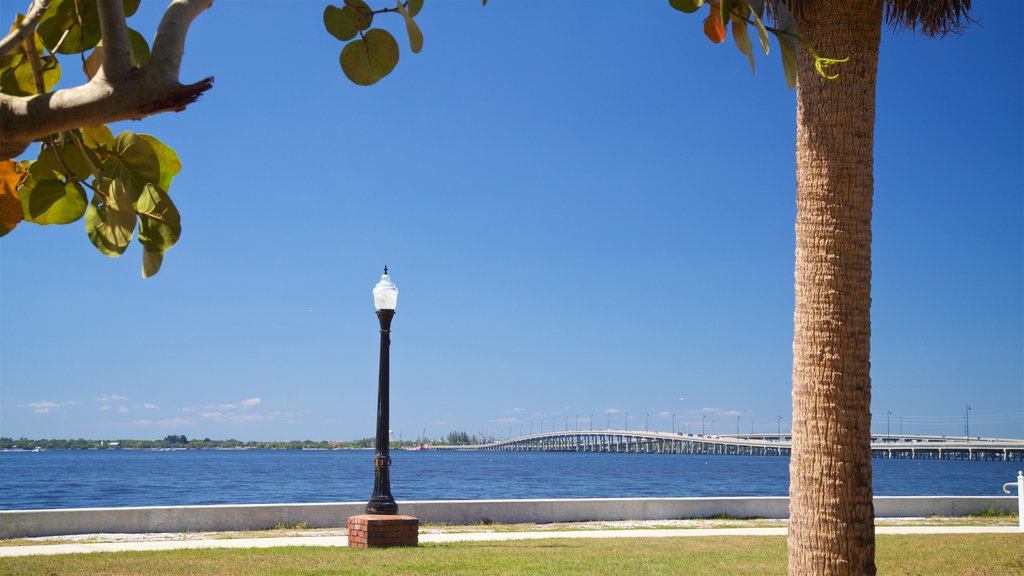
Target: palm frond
<point>932,17</point>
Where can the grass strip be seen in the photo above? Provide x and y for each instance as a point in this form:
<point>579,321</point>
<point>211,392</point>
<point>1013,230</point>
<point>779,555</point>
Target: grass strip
<point>959,554</point>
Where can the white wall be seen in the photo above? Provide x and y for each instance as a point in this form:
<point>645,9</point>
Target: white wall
<point>30,523</point>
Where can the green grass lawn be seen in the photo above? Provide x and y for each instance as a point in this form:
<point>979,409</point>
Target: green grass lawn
<point>966,554</point>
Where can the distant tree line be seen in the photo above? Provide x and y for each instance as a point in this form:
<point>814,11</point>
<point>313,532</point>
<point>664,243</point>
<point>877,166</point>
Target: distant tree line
<point>180,441</point>
<point>177,441</point>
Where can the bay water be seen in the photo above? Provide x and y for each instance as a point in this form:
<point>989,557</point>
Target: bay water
<point>115,478</point>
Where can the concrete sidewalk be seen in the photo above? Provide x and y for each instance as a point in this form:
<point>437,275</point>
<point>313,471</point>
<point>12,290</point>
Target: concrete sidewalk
<point>340,541</point>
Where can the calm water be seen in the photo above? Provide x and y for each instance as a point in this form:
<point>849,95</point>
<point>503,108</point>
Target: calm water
<point>80,479</point>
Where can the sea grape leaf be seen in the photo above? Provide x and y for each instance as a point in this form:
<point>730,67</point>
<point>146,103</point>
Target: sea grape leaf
<point>16,76</point>
<point>53,202</point>
<point>363,13</point>
<point>73,159</point>
<point>159,219</point>
<point>688,6</point>
<point>130,6</point>
<point>151,262</point>
<point>63,16</point>
<point>415,6</point>
<point>170,164</point>
<point>110,218</point>
<point>139,48</point>
<point>341,23</point>
<point>133,162</point>
<point>46,166</point>
<point>367,60</point>
<point>98,137</point>
<point>415,35</point>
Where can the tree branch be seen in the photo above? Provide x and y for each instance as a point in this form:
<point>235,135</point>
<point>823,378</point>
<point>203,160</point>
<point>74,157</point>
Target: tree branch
<point>27,26</point>
<point>169,44</point>
<point>117,56</point>
<point>133,95</point>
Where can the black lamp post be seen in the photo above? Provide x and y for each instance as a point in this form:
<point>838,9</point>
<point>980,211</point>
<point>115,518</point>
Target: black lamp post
<point>385,298</point>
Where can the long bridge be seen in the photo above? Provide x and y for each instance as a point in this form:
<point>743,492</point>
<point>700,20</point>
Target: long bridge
<point>631,441</point>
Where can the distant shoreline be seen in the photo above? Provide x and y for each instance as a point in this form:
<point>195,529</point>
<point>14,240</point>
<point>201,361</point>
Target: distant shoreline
<point>181,442</point>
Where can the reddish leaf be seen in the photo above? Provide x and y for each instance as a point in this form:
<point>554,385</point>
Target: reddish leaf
<point>713,27</point>
<point>10,206</point>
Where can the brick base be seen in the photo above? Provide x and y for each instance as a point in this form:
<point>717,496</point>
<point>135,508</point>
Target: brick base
<point>382,531</point>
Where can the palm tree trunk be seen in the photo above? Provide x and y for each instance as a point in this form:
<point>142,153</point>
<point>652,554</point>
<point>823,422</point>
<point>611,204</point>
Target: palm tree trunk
<point>831,529</point>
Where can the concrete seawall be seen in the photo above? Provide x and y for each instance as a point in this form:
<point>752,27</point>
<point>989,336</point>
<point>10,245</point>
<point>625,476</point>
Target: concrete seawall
<point>31,523</point>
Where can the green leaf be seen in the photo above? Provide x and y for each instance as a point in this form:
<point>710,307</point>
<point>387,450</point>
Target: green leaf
<point>739,34</point>
<point>130,6</point>
<point>787,42</point>
<point>73,158</point>
<point>151,262</point>
<point>98,137</point>
<point>46,166</point>
<point>110,221</point>
<point>742,9</point>
<point>53,202</point>
<point>159,220</point>
<point>363,13</point>
<point>16,76</point>
<point>758,7</point>
<point>51,71</point>
<point>63,16</point>
<point>371,58</point>
<point>170,165</point>
<point>415,36</point>
<point>725,11</point>
<point>339,23</point>
<point>688,6</point>
<point>788,49</point>
<point>762,32</point>
<point>415,6</point>
<point>133,162</point>
<point>139,48</point>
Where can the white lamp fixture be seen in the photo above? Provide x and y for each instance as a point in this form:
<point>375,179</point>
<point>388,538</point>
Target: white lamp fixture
<point>385,293</point>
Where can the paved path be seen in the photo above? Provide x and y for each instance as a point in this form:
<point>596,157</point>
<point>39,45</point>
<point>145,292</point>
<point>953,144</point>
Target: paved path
<point>50,549</point>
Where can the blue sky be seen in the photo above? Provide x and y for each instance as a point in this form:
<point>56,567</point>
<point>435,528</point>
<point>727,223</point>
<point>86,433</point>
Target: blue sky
<point>588,210</point>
